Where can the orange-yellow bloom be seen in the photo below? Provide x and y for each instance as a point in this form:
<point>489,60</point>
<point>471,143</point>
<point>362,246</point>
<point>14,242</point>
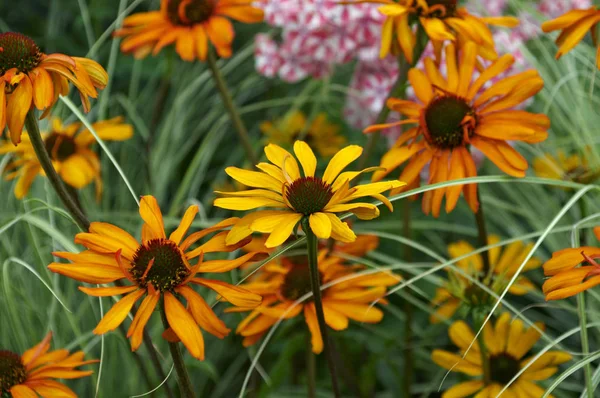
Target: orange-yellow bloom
<point>451,113</point>
<point>442,20</point>
<point>32,374</point>
<point>28,78</point>
<point>566,279</point>
<point>572,168</point>
<point>461,290</point>
<point>158,267</point>
<point>190,24</point>
<point>69,149</point>
<point>573,26</point>
<point>506,343</point>
<point>282,283</point>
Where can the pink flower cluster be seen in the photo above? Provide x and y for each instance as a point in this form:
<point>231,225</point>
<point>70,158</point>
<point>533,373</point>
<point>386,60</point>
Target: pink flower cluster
<point>316,35</point>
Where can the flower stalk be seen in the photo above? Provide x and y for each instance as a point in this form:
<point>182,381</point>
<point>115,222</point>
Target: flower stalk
<point>46,162</point>
<point>185,384</point>
<point>234,113</point>
<point>312,250</point>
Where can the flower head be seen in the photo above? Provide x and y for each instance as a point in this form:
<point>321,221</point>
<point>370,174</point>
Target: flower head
<point>295,194</point>
<point>442,20</point>
<point>69,149</point>
<point>461,290</point>
<point>28,78</point>
<point>320,133</point>
<point>282,283</point>
<point>451,114</point>
<point>573,168</point>
<point>566,278</point>
<point>158,267</point>
<point>506,343</point>
<point>33,373</point>
<point>189,24</point>
<point>573,26</point>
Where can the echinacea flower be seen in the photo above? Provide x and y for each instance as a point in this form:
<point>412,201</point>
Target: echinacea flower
<point>192,25</point>
<point>574,168</point>
<point>32,374</point>
<point>69,149</point>
<point>281,284</point>
<point>454,113</point>
<point>158,268</point>
<point>442,20</point>
<point>566,278</point>
<point>320,134</point>
<point>506,344</point>
<point>573,26</point>
<point>504,263</point>
<point>28,78</point>
<point>295,195</point>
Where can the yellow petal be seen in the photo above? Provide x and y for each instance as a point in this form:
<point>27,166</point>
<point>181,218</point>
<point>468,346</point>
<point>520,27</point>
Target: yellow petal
<point>306,157</point>
<point>184,326</point>
<point>339,162</point>
<point>152,216</point>
<point>320,225</point>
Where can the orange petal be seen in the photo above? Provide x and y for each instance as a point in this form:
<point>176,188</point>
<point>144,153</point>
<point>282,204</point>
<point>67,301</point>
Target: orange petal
<point>117,314</point>
<point>18,104</point>
<point>184,326</point>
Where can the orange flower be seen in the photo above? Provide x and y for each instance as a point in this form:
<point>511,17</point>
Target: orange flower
<point>574,25</point>
<point>190,24</point>
<point>453,113</point>
<point>159,267</point>
<point>33,373</point>
<point>442,20</point>
<point>281,284</point>
<point>29,77</point>
<point>566,279</point>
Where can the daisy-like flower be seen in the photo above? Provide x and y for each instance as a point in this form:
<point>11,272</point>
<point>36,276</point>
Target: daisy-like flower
<point>442,20</point>
<point>29,78</point>
<point>573,26</point>
<point>566,278</point>
<point>506,344</point>
<point>191,24</point>
<point>158,268</point>
<point>460,290</point>
<point>32,374</point>
<point>451,114</point>
<point>296,195</point>
<point>572,168</point>
<point>320,134</point>
<point>281,284</point>
<point>69,149</point>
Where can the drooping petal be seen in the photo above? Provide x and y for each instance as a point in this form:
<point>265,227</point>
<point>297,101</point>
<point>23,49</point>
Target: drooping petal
<point>119,311</point>
<point>184,326</point>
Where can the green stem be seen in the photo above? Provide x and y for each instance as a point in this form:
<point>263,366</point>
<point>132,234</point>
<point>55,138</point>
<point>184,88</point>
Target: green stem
<point>408,308</point>
<point>236,119</point>
<point>311,368</point>
<point>185,384</point>
<point>482,237</point>
<point>485,359</point>
<point>46,162</point>
<point>398,90</point>
<point>315,283</point>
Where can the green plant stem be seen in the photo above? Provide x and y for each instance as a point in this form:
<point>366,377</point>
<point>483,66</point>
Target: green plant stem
<point>311,368</point>
<point>485,359</point>
<point>46,162</point>
<point>407,307</point>
<point>185,384</point>
<point>482,237</point>
<point>398,90</point>
<point>311,241</point>
<point>236,119</point>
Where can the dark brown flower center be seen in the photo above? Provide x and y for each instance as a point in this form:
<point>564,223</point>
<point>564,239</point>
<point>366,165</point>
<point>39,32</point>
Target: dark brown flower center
<point>442,8</point>
<point>445,121</point>
<point>60,147</point>
<point>161,263</point>
<point>503,368</point>
<point>190,12</point>
<point>297,283</point>
<point>12,372</point>
<point>18,51</point>
<point>309,195</point>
